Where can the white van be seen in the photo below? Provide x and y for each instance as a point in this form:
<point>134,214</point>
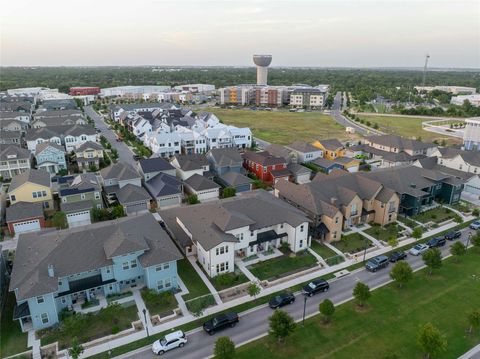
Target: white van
<point>170,341</point>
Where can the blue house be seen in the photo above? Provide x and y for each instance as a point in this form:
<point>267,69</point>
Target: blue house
<point>327,166</point>
<point>62,269</point>
<point>223,160</point>
<point>50,157</point>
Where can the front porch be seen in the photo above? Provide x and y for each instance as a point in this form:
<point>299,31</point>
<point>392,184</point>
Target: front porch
<point>264,246</point>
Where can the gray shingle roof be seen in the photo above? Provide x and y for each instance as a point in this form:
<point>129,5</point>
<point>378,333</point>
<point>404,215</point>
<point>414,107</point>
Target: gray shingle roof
<point>331,144</point>
<point>44,145</point>
<point>120,171</point>
<point>191,162</point>
<point>297,169</point>
<point>399,142</point>
<point>39,177</point>
<point>303,147</point>
<point>224,157</point>
<point>24,210</point>
<point>76,206</point>
<point>87,145</point>
<point>13,152</point>
<point>86,248</point>
<point>235,179</point>
<point>263,158</point>
<point>131,193</point>
<point>58,131</point>
<point>156,164</point>
<point>163,185</point>
<point>200,183</point>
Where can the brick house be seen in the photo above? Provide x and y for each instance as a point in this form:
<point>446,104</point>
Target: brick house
<point>265,166</point>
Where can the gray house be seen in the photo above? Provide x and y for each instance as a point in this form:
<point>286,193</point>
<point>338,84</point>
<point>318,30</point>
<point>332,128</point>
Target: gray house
<point>223,160</point>
<point>151,167</point>
<point>165,189</point>
<point>236,180</point>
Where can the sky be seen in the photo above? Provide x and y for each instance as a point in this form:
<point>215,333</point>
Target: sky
<point>340,33</point>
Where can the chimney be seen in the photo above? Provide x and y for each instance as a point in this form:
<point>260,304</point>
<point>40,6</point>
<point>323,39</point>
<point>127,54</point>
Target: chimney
<point>51,272</point>
<point>333,200</point>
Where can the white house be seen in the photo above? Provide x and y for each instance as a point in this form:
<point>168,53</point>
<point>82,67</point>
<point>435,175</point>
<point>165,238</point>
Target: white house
<point>189,165</point>
<point>305,152</point>
<point>163,144</point>
<point>68,136</point>
<point>225,231</point>
<point>141,126</point>
<point>218,137</point>
<point>241,137</point>
<point>191,141</point>
<point>202,187</point>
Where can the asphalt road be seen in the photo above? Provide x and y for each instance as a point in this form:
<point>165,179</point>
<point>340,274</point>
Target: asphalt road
<point>255,323</point>
<point>124,153</point>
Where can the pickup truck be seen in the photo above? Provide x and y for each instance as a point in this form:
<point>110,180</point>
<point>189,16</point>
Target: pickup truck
<point>220,322</point>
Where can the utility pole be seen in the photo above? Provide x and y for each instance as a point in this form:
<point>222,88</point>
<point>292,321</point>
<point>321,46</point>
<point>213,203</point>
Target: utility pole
<point>425,70</point>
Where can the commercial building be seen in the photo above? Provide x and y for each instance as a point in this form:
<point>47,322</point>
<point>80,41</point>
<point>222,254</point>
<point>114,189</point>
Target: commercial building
<point>460,100</point>
<point>84,91</point>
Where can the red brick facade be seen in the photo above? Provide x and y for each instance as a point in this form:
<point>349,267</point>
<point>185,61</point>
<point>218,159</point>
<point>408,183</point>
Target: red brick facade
<point>10,224</point>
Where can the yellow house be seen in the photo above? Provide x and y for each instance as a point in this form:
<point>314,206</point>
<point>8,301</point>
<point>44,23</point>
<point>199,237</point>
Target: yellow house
<point>332,148</point>
<point>32,186</point>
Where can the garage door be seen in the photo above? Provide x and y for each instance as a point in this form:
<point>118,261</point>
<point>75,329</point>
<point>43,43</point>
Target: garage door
<point>79,218</point>
<point>27,226</point>
<point>136,207</point>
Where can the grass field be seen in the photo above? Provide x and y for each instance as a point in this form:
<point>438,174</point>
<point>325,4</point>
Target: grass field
<point>410,127</point>
<point>390,323</point>
<point>13,341</point>
<point>191,279</point>
<point>352,243</point>
<point>280,266</point>
<point>283,127</point>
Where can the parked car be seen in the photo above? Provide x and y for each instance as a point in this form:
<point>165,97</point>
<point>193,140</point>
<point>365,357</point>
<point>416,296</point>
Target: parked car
<point>418,249</point>
<point>453,235</point>
<point>397,256</point>
<point>220,322</point>
<point>281,300</point>
<point>475,225</point>
<point>376,263</point>
<point>315,286</point>
<point>170,341</point>
<point>436,242</point>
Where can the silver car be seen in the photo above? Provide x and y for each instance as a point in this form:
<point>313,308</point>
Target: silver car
<point>418,249</point>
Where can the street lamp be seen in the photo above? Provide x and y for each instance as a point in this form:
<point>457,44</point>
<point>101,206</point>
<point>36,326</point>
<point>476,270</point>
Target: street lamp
<point>468,239</point>
<point>146,324</point>
<point>304,308</point>
<point>365,250</point>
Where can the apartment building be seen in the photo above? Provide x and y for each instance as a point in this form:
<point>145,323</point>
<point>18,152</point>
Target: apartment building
<point>309,97</point>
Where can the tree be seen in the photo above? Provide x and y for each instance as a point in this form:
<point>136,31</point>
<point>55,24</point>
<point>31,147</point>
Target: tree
<point>327,309</point>
<point>224,348</point>
<point>281,325</point>
<point>361,292</point>
<point>59,220</point>
<point>76,350</point>
<point>473,321</point>
<point>393,241</point>
<point>417,233</point>
<point>117,211</point>
<point>62,172</point>
<point>431,340</point>
<point>432,259</point>
<point>476,240</point>
<point>253,290</point>
<point>476,212</point>
<point>458,219</point>
<point>457,250</point>
<point>228,192</point>
<point>192,199</point>
<point>401,273</point>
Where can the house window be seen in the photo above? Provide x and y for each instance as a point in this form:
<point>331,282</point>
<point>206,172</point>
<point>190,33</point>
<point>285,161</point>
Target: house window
<point>353,211</point>
<point>82,196</point>
<point>160,285</point>
<point>40,299</point>
<point>300,245</point>
<point>251,233</point>
<point>34,194</point>
<point>158,268</point>
<point>44,193</point>
<point>166,265</point>
<point>336,219</point>
<point>44,318</point>
<point>281,226</point>
<point>168,283</point>
<point>335,234</point>
<point>301,228</point>
<point>13,198</point>
<point>108,270</point>
<point>133,263</point>
<point>125,266</point>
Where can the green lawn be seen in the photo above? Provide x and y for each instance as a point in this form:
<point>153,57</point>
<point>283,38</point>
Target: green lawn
<point>281,266</point>
<point>322,250</point>
<point>384,233</point>
<point>12,340</point>
<point>407,221</point>
<point>283,127</point>
<point>390,323</point>
<point>87,327</point>
<point>191,279</point>
<point>410,127</point>
<point>159,303</point>
<point>436,215</point>
<point>227,280</point>
<point>352,243</point>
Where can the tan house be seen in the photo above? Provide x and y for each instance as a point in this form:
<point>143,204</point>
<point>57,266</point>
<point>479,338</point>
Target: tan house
<point>89,154</point>
<point>31,186</point>
<point>339,201</point>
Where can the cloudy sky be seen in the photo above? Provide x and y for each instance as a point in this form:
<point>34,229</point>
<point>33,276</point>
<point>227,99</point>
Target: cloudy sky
<point>359,33</point>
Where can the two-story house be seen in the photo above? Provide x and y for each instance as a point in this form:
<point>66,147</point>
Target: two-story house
<point>331,148</point>
<point>50,157</point>
<point>268,168</point>
<point>305,152</point>
<point>223,160</point>
<point>68,136</point>
<point>56,270</point>
<point>88,154</point>
<point>13,160</point>
<point>188,165</point>
<point>163,144</point>
<point>192,142</point>
<point>225,231</point>
<point>31,186</point>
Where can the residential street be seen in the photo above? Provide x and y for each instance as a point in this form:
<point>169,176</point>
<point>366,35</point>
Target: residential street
<point>254,324</point>
<point>124,153</point>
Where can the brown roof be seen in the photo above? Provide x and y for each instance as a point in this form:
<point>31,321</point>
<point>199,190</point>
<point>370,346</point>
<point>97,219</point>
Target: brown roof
<point>263,158</point>
<point>303,147</point>
<point>331,144</point>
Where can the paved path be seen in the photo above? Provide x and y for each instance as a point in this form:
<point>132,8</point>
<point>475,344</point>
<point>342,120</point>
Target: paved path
<point>318,257</point>
<point>245,271</point>
<point>124,152</point>
<point>141,307</point>
<point>178,296</point>
<point>209,285</point>
<point>370,238</point>
<point>335,249</point>
<point>473,353</point>
<point>254,324</point>
<point>9,244</point>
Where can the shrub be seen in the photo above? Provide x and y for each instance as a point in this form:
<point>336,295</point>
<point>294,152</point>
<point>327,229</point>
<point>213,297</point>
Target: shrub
<point>225,280</point>
<point>476,212</point>
<point>115,329</point>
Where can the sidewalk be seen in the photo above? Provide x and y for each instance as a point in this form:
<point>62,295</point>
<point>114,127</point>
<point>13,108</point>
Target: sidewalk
<point>318,257</point>
<point>209,285</point>
<point>473,353</point>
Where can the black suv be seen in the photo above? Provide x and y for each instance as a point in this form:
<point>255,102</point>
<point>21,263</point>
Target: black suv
<point>436,242</point>
<point>220,322</point>
<point>281,300</point>
<point>377,263</point>
<point>397,256</point>
<point>453,235</point>
<point>315,286</point>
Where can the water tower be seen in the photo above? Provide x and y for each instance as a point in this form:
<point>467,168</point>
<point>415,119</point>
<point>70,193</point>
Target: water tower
<point>262,62</point>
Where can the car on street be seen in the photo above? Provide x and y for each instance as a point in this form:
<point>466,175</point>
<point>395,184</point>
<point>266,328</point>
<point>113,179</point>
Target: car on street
<point>316,286</point>
<point>168,342</point>
<point>376,263</point>
<point>220,322</point>
<point>281,300</point>
<point>436,242</point>
<point>397,256</point>
<point>475,225</point>
<point>418,249</point>
<point>453,235</point>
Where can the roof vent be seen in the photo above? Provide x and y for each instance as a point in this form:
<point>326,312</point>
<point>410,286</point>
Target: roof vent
<point>333,200</point>
<point>51,272</point>
<point>413,185</point>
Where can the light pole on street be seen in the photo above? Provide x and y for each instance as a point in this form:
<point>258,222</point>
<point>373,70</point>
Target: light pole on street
<point>304,308</point>
<point>365,250</point>
<point>468,239</point>
<point>145,316</point>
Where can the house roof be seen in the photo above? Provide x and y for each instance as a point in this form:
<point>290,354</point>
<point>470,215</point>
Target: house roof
<point>200,183</point>
<point>120,171</point>
<point>209,222</point>
<point>13,152</point>
<point>263,158</point>
<point>323,162</point>
<point>191,162</point>
<point>331,144</point>
<point>224,157</point>
<point>89,145</point>
<point>297,169</point>
<point>58,113</point>
<point>399,142</point>
<point>72,207</point>
<point>303,147</point>
<point>235,179</point>
<point>156,164</point>
<point>279,151</point>
<point>58,131</point>
<point>24,210</point>
<point>40,147</point>
<point>82,183</point>
<point>131,193</point>
<point>163,185</point>
<point>86,248</point>
<point>38,177</point>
